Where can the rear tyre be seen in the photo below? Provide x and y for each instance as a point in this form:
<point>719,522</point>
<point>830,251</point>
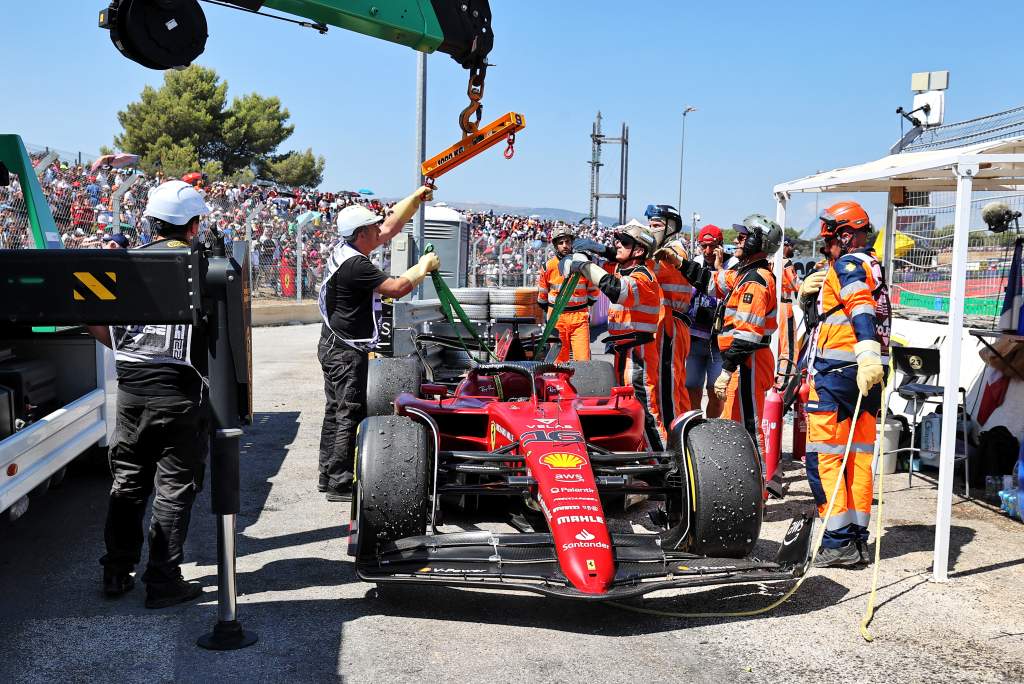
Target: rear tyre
<point>386,378</point>
<point>726,474</point>
<point>593,378</point>
<point>392,475</point>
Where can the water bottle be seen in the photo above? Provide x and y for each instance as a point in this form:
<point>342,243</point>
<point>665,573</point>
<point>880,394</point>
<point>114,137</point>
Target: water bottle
<point>1020,484</point>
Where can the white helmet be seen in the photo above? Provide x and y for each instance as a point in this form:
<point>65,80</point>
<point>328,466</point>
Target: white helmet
<point>354,217</point>
<point>176,202</point>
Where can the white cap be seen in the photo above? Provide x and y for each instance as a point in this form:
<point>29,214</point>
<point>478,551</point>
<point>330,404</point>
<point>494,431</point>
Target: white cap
<point>354,217</point>
<point>176,202</point>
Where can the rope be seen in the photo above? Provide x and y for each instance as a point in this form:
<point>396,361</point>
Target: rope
<point>568,287</point>
<point>450,304</point>
<point>785,597</point>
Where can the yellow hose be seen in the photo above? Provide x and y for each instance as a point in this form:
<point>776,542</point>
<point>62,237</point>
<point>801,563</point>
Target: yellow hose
<point>869,612</point>
<point>817,545</point>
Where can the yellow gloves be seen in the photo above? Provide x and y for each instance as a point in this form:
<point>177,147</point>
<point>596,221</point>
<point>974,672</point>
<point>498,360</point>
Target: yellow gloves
<point>674,253</point>
<point>722,384</point>
<point>812,284</point>
<point>426,264</point>
<point>404,209</point>
<point>869,365</point>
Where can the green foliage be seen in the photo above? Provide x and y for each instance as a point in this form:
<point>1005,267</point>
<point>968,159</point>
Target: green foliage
<point>297,168</point>
<point>186,125</point>
<point>105,150</point>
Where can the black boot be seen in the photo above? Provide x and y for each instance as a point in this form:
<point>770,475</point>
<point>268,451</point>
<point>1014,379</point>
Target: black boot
<point>324,483</point>
<point>165,594</point>
<point>117,583</point>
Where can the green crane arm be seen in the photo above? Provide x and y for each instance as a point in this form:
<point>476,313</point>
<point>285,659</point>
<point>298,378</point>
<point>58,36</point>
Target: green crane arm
<point>164,34</point>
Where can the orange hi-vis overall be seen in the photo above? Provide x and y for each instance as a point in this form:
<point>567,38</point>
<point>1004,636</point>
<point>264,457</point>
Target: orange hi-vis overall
<point>746,325</point>
<point>573,325</point>
<point>787,324</point>
<point>634,316</point>
<point>853,306</point>
<point>673,339</point>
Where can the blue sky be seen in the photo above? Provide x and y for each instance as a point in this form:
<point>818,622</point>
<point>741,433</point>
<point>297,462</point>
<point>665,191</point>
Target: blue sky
<point>783,89</point>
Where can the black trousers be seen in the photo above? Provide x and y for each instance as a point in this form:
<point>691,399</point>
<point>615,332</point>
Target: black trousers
<point>160,444</point>
<point>345,371</point>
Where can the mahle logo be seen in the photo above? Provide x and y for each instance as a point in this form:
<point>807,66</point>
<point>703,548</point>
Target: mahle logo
<point>559,460</point>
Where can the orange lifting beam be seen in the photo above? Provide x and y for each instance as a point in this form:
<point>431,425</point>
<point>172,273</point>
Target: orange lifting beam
<point>502,128</point>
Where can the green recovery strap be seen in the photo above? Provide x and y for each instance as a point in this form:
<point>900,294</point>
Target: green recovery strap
<point>450,304</point>
<point>568,287</point>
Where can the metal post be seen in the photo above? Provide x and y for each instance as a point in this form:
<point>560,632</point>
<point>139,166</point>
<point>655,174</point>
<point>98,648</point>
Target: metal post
<point>525,262</point>
<point>227,634</point>
<point>951,369</point>
<point>421,147</point>
<point>780,217</point>
<point>682,147</point>
<point>298,263</point>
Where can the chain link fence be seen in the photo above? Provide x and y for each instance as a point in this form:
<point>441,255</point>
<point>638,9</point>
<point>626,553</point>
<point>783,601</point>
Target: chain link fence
<point>921,278</point>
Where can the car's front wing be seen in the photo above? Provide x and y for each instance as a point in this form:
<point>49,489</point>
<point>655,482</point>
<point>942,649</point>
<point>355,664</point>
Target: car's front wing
<point>527,561</point>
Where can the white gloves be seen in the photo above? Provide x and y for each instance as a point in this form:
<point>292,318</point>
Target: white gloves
<point>869,365</point>
<point>722,384</point>
<point>426,264</point>
<point>812,284</point>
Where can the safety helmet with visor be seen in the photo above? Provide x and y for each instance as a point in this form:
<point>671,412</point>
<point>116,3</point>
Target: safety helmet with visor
<point>846,215</point>
<point>664,221</point>
<point>633,233</point>
<point>763,235</point>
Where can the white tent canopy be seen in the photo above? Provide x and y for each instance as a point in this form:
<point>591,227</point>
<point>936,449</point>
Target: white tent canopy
<point>993,165</point>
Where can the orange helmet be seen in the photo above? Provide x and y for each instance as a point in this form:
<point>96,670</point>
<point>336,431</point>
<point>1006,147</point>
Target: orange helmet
<point>849,215</point>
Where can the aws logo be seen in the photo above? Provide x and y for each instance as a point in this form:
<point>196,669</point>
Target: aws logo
<point>558,460</point>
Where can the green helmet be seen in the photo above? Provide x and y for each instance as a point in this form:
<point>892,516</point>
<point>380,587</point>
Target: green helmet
<point>763,234</point>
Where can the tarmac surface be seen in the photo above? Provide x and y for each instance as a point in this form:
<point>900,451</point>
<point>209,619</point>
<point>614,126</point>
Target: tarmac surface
<point>318,623</point>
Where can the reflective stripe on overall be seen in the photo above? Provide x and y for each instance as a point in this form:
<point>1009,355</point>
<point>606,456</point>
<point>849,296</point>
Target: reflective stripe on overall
<point>853,306</point>
<point>573,325</point>
<point>632,325</point>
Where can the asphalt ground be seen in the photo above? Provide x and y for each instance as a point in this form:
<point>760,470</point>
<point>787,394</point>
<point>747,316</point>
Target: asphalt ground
<point>317,622</point>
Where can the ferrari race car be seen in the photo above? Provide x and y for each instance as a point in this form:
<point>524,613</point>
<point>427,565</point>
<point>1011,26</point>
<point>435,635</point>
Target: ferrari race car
<point>534,476</point>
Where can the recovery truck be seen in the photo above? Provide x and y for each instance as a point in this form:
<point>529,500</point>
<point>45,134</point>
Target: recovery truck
<point>57,385</point>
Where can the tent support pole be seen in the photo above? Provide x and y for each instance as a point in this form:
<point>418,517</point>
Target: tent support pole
<point>951,369</point>
<point>780,217</point>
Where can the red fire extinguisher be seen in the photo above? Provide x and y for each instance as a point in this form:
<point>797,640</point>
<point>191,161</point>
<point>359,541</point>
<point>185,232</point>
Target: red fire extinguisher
<point>800,421</point>
<point>771,428</point>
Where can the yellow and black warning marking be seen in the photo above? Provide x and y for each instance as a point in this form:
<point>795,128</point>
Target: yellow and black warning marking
<point>91,287</point>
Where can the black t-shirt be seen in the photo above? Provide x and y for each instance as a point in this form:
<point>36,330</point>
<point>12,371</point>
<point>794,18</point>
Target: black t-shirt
<point>349,298</point>
<point>162,379</point>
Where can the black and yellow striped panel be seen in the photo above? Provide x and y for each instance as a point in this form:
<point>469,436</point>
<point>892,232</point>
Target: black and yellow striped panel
<point>89,286</point>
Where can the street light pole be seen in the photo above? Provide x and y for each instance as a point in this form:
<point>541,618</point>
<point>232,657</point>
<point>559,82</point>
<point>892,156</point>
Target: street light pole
<point>682,147</point>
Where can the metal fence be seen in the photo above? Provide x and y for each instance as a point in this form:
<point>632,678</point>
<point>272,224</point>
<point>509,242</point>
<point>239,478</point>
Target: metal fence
<point>507,263</point>
<point>924,253</point>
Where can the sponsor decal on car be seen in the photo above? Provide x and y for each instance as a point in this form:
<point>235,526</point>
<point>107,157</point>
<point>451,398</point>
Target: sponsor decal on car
<point>560,460</point>
<point>591,565</point>
<point>503,432</point>
<point>596,519</point>
<point>550,426</point>
<point>565,436</point>
<point>572,490</point>
<point>574,507</point>
<point>585,540</point>
<point>568,477</point>
<point>451,571</point>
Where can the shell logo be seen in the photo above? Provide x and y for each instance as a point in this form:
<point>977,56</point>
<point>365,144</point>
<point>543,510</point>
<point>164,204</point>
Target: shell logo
<point>559,460</point>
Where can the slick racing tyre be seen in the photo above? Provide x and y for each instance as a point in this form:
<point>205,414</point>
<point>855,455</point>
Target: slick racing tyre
<point>393,457</point>
<point>471,295</point>
<point>725,471</point>
<point>386,378</point>
<point>475,312</point>
<point>531,311</point>
<point>523,296</point>
<point>593,378</point>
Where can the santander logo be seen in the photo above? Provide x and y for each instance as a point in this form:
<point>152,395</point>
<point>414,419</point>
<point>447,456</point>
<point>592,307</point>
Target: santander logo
<point>583,535</point>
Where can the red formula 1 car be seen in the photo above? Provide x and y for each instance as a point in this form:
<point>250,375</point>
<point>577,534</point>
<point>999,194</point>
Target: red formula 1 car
<point>536,476</point>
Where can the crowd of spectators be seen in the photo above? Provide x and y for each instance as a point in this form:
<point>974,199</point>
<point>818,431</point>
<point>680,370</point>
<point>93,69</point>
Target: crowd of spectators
<point>505,249</point>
